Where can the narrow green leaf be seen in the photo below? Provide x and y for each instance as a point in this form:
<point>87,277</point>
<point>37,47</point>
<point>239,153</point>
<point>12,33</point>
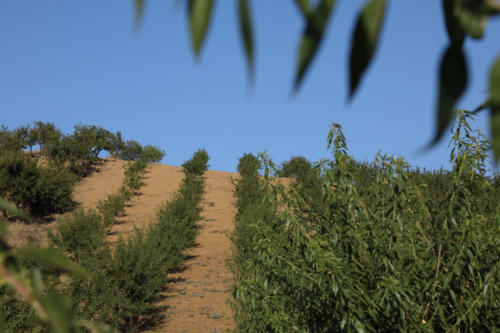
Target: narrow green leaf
<point>200,12</point>
<point>474,23</point>
<point>453,78</point>
<point>139,12</point>
<point>456,34</point>
<point>495,107</point>
<point>364,41</point>
<point>50,259</point>
<point>311,38</point>
<point>58,311</point>
<point>304,6</point>
<point>11,208</point>
<point>246,33</point>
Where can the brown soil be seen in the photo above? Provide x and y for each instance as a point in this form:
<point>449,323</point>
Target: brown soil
<point>196,297</point>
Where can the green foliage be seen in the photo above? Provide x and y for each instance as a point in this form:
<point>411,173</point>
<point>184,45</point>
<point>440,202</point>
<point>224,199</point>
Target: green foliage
<point>199,12</point>
<point>52,192</point>
<point>249,165</point>
<point>18,316</point>
<point>134,175</point>
<point>15,140</point>
<point>113,206</point>
<point>307,179</point>
<point>365,40</point>
<point>383,252</point>
<point>152,154</point>
<point>40,189</point>
<point>246,31</point>
<point>124,287</point>
<point>131,151</point>
<point>198,164</point>
<point>247,190</point>
<point>46,135</point>
<point>22,283</point>
<point>80,235</point>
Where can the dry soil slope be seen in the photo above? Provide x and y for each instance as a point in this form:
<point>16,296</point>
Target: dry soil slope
<point>196,298</point>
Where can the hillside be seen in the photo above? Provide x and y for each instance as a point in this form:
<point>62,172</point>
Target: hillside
<point>195,300</point>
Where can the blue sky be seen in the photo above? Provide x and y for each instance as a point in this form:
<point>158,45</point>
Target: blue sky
<point>72,62</point>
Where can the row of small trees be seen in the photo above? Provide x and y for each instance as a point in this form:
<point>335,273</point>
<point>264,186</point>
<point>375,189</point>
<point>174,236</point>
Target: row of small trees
<point>373,247</point>
<point>120,286</point>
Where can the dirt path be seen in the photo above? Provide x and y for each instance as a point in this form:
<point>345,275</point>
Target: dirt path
<point>105,181</point>
<point>196,297</point>
<point>160,184</point>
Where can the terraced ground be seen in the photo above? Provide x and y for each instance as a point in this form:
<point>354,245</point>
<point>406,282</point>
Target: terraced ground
<point>196,297</point>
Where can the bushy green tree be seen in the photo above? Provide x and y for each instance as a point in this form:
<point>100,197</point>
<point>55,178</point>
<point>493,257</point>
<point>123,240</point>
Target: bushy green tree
<point>15,140</point>
<point>42,190</point>
<point>198,164</point>
<point>131,151</point>
<point>45,134</point>
<point>152,154</point>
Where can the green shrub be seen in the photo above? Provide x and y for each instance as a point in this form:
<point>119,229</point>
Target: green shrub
<point>249,165</point>
<point>18,175</point>
<point>52,192</point>
<point>15,140</point>
<point>131,151</point>
<point>42,190</point>
<point>112,206</point>
<point>45,135</point>
<point>198,164</point>
<point>152,154</point>
<point>134,175</point>
<point>80,235</point>
<point>248,190</point>
<point>17,315</point>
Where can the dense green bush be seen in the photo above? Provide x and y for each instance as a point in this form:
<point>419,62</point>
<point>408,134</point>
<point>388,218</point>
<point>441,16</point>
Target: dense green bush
<point>17,314</point>
<point>152,154</point>
<point>307,179</point>
<point>131,151</point>
<point>378,258</point>
<point>80,235</point>
<point>15,140</point>
<point>247,189</point>
<point>249,165</point>
<point>42,190</point>
<point>198,164</point>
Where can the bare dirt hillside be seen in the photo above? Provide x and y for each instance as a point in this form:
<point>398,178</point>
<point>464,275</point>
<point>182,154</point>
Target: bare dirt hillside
<point>196,297</point>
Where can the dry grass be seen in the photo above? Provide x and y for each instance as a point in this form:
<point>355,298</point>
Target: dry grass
<point>22,234</point>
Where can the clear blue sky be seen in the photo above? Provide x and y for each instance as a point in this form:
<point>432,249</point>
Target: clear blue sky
<point>72,62</point>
